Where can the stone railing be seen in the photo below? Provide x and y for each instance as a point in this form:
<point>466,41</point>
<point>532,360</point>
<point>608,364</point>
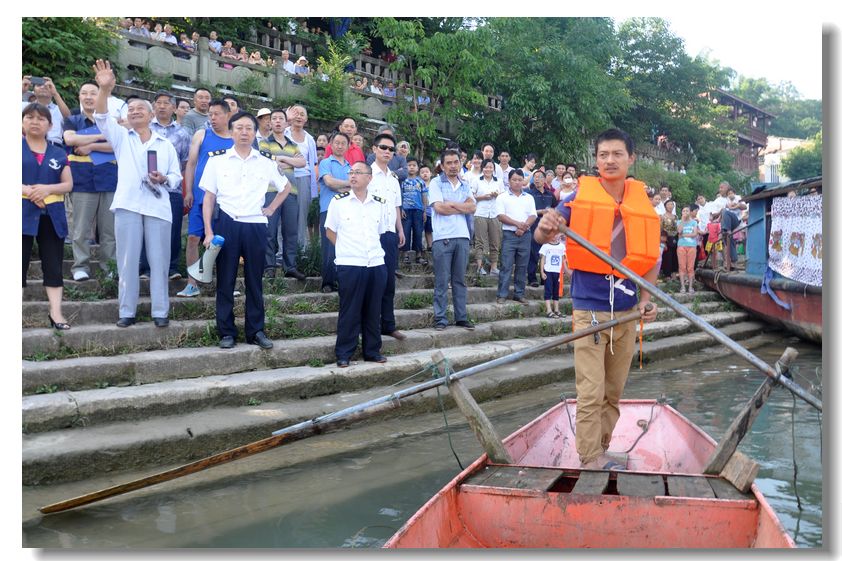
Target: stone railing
<point>185,71</point>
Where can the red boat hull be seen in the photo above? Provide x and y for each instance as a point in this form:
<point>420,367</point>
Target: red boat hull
<point>804,318</point>
<point>538,503</point>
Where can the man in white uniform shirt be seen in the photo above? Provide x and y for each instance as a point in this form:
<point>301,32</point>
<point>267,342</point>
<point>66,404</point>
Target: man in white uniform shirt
<point>354,224</point>
<point>384,184</point>
<point>141,205</point>
<point>516,212</point>
<point>237,179</point>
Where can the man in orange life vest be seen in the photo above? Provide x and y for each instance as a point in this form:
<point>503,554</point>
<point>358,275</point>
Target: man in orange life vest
<point>615,214</point>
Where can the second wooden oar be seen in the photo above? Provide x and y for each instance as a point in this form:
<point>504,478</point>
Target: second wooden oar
<point>696,320</point>
<point>324,423</point>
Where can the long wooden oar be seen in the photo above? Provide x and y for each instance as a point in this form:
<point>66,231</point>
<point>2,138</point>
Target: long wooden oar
<point>326,422</point>
<point>699,322</point>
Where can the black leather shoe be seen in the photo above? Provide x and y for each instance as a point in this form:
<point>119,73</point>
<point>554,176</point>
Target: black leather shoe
<point>161,322</point>
<point>520,300</point>
<point>376,358</point>
<point>125,322</point>
<point>261,340</point>
<point>296,275</point>
<point>343,363</point>
<point>227,342</point>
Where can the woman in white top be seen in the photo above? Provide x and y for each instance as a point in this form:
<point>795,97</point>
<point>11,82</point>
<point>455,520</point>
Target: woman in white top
<point>567,188</point>
<point>487,232</point>
<point>474,169</point>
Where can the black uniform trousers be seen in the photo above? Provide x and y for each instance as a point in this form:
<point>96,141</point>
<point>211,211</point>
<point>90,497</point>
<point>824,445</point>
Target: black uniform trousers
<point>249,241</point>
<point>389,243</point>
<point>360,296</point>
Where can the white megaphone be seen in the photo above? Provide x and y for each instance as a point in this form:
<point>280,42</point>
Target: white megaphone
<point>202,270</point>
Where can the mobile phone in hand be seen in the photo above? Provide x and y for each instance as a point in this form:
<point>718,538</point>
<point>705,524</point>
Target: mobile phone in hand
<point>151,161</point>
<point>37,81</point>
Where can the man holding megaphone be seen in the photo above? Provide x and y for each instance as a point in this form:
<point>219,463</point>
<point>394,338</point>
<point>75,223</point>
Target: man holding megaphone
<point>237,179</point>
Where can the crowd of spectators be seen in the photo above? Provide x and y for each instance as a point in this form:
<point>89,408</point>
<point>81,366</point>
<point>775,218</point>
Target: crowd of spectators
<point>449,212</point>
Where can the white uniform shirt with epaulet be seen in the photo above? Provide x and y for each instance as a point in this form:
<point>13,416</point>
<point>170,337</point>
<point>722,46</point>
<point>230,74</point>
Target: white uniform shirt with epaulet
<point>386,186</point>
<point>358,225</point>
<point>240,184</point>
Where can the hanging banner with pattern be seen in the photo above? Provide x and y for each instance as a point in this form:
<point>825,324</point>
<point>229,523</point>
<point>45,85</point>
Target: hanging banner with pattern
<point>795,242</point>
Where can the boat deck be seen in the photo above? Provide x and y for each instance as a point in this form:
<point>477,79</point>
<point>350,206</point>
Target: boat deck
<point>545,500</point>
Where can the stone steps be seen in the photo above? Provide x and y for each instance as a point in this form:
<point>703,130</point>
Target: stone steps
<point>90,290</point>
<point>105,311</point>
<point>128,428</point>
<point>94,406</point>
<point>193,350</point>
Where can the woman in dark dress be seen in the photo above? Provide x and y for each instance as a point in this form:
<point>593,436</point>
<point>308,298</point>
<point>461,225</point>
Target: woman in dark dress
<point>669,228</point>
<point>46,178</point>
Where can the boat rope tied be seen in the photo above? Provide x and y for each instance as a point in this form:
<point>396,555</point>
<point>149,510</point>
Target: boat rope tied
<point>644,425</point>
<point>428,366</point>
<point>567,410</point>
<point>794,462</point>
<point>766,288</point>
<point>446,376</point>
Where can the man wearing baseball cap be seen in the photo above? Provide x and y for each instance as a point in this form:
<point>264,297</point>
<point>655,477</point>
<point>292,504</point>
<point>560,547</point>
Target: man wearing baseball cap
<point>264,125</point>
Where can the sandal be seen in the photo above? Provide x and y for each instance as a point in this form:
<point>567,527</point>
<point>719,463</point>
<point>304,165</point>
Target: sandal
<point>58,326</point>
<point>551,315</point>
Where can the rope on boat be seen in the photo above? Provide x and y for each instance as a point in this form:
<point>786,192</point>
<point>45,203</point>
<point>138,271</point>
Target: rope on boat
<point>644,425</point>
<point>428,366</point>
<point>567,410</point>
<point>445,375</point>
<point>794,462</point>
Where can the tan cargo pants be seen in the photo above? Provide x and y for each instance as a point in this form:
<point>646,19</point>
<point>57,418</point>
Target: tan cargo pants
<point>600,379</point>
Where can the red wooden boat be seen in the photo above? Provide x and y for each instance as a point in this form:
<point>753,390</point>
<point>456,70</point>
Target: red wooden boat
<point>804,318</point>
<point>544,500</point>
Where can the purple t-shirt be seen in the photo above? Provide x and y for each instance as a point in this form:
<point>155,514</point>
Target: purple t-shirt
<point>591,291</point>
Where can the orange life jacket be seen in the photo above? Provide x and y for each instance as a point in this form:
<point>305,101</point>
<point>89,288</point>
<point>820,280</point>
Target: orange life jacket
<point>592,216</point>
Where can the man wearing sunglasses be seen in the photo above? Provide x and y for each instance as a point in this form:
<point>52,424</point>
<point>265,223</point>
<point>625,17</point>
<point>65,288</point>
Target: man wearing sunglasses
<point>384,184</point>
<point>398,163</point>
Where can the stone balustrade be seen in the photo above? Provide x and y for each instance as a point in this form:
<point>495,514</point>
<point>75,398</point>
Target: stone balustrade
<point>189,70</point>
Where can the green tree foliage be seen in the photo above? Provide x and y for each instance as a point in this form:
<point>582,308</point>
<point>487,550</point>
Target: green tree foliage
<point>65,49</point>
<point>700,179</point>
<point>804,161</point>
<point>557,93</point>
<point>330,99</point>
<point>795,117</point>
<point>670,91</point>
<point>449,64</point>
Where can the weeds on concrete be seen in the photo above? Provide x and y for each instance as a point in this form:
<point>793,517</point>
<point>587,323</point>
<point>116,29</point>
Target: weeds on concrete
<point>253,401</point>
<point>276,286</point>
<point>315,362</point>
<point>46,388</point>
<point>417,301</point>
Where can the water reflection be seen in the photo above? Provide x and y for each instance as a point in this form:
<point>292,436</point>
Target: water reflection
<point>360,500</point>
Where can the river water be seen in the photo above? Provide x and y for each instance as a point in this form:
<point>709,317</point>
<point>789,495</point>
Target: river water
<point>358,500</point>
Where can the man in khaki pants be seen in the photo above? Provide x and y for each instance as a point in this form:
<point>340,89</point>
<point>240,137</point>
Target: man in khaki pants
<point>602,361</point>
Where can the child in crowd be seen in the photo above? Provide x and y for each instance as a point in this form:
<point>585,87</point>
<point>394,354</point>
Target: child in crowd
<point>688,237</point>
<point>714,245</point>
<point>552,265</point>
<point>414,202</point>
<point>426,175</point>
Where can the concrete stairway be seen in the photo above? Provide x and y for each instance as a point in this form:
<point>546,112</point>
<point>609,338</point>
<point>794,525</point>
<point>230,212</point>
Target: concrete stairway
<point>99,399</point>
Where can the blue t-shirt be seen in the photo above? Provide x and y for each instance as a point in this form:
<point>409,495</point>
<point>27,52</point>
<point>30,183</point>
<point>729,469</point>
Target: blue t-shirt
<point>592,291</point>
<point>337,170</point>
<point>211,143</point>
<point>686,228</point>
<point>412,191</point>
